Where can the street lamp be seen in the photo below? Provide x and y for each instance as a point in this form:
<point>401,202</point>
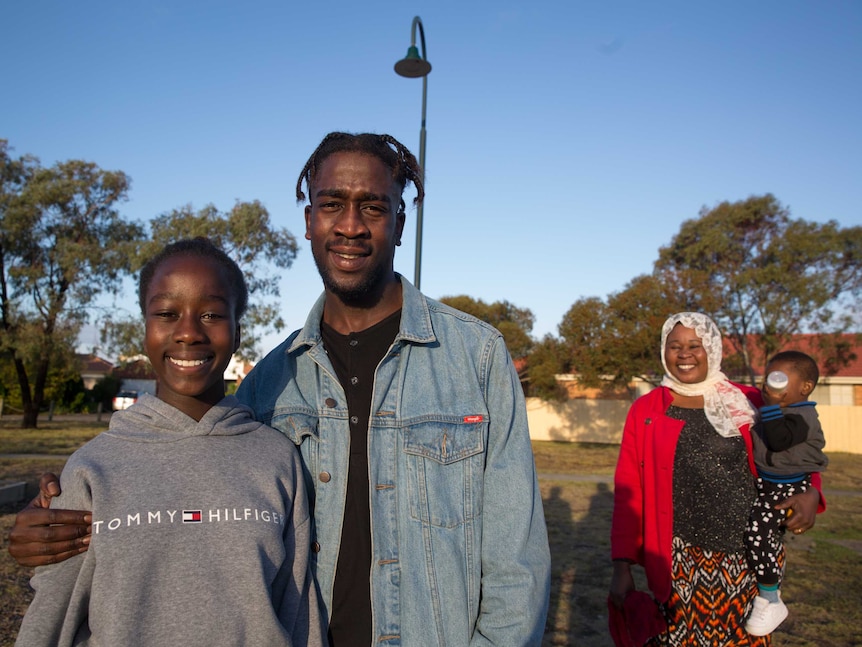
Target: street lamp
<point>413,66</point>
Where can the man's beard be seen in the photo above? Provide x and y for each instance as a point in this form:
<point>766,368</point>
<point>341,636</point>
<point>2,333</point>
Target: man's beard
<point>364,294</point>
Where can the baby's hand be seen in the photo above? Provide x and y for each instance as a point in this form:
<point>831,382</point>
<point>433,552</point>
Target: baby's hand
<point>775,388</point>
<point>770,397</point>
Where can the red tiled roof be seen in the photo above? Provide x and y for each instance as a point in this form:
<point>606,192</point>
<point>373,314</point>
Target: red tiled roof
<point>138,370</point>
<point>91,364</point>
<point>807,343</point>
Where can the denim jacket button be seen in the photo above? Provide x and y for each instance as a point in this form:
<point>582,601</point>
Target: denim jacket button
<point>315,547</point>
<point>330,402</point>
<point>325,477</point>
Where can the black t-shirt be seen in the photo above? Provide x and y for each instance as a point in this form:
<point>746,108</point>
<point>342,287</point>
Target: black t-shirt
<point>355,358</point>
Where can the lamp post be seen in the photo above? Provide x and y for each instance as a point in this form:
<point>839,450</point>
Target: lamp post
<point>413,66</point>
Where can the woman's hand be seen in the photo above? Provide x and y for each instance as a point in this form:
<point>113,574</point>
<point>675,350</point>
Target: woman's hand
<point>621,582</point>
<point>804,507</point>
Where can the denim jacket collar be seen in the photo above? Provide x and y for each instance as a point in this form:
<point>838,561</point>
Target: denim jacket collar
<point>415,320</point>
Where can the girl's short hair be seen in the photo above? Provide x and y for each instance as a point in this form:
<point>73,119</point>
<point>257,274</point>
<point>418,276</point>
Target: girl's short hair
<point>202,248</point>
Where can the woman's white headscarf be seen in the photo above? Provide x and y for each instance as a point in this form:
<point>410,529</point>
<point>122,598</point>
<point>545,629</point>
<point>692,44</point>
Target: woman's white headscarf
<point>725,405</point>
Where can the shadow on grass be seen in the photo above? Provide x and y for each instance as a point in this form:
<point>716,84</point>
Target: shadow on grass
<point>578,517</point>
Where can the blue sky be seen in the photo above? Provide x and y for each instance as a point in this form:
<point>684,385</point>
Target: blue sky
<point>567,141</point>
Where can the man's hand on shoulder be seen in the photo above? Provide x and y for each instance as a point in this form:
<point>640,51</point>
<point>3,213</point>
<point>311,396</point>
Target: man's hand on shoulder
<point>42,535</point>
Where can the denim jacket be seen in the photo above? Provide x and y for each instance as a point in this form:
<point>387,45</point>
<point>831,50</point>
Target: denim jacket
<point>459,546</point>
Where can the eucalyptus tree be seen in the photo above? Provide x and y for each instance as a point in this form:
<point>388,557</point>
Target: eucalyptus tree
<point>615,339</point>
<point>62,243</point>
<point>763,275</point>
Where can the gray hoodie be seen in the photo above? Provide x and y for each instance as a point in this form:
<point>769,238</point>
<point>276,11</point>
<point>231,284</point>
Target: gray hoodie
<point>201,536</point>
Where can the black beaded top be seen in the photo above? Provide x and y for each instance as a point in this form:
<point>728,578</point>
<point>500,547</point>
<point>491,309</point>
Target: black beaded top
<point>713,487</point>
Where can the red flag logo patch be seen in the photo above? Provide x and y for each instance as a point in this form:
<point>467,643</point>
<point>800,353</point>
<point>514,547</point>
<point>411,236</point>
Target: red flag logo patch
<point>191,516</point>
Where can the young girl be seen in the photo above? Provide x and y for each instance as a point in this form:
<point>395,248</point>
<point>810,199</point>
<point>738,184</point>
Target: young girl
<point>201,529</point>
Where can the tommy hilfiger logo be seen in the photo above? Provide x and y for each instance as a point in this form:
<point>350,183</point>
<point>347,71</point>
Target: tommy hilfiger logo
<point>168,517</point>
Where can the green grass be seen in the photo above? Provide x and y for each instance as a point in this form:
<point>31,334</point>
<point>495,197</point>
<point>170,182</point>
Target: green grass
<point>824,566</point>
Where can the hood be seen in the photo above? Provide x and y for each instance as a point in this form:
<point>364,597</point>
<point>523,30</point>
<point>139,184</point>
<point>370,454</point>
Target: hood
<point>151,420</point>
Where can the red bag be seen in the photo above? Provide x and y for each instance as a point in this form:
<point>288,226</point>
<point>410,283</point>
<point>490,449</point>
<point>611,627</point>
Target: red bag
<point>639,620</point>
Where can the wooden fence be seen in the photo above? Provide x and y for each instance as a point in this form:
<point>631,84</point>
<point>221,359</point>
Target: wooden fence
<point>601,421</point>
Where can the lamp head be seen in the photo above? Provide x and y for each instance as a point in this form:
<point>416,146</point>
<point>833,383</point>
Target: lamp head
<point>412,66</point>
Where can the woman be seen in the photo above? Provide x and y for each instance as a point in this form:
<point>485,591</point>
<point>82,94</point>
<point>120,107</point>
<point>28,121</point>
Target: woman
<point>684,487</point>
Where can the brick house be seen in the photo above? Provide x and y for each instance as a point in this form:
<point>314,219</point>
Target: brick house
<point>93,368</point>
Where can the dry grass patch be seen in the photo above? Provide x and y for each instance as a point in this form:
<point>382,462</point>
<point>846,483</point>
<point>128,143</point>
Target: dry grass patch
<point>578,518</point>
<point>56,437</point>
<point>15,592</point>
<point>574,458</point>
<point>843,472</point>
<point>29,469</point>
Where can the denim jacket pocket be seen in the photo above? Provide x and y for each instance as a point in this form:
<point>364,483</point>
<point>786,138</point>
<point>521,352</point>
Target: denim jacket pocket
<point>296,426</point>
<point>444,470</point>
<point>299,428</point>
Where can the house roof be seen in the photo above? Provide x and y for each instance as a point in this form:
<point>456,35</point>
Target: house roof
<point>91,364</point>
<point>851,353</point>
<point>139,369</point>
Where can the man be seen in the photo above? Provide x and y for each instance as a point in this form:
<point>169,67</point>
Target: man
<point>412,428</point>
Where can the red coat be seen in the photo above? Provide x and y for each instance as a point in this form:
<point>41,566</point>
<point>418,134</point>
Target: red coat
<point>642,528</point>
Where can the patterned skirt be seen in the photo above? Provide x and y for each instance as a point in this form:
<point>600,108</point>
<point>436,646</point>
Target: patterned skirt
<point>711,597</point>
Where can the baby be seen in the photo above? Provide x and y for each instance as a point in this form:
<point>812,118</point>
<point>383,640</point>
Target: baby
<point>788,447</point>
